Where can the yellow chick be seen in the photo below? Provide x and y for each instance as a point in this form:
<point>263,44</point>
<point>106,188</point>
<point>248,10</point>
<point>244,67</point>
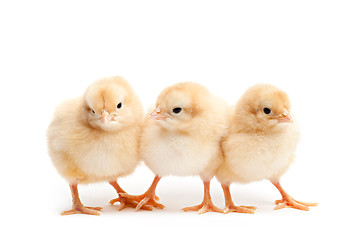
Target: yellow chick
<point>261,142</point>
<point>182,138</point>
<point>95,138</point>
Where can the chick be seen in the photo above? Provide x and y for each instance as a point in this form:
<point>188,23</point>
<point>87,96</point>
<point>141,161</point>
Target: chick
<point>261,142</point>
<point>95,138</point>
<point>182,138</point>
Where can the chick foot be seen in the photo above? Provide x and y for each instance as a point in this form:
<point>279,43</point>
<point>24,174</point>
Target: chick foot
<point>230,206</point>
<point>206,205</point>
<point>124,202</point>
<point>288,202</point>
<point>83,210</point>
<point>239,209</point>
<point>78,207</point>
<point>148,199</point>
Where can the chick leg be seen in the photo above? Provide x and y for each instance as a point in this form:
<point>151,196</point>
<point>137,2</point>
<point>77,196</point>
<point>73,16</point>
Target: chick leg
<point>148,198</point>
<point>288,201</point>
<point>206,205</point>
<point>124,202</point>
<point>230,206</point>
<point>77,207</point>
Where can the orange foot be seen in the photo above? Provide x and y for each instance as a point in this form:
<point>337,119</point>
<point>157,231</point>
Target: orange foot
<point>289,202</point>
<point>230,206</point>
<point>83,210</point>
<point>204,207</point>
<point>147,200</point>
<point>125,202</point>
<point>239,209</point>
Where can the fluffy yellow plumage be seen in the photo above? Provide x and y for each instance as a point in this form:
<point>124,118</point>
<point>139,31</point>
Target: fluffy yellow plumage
<point>260,144</point>
<point>182,138</point>
<point>95,137</point>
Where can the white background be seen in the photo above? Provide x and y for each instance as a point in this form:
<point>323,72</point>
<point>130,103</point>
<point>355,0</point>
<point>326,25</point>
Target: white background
<point>52,51</point>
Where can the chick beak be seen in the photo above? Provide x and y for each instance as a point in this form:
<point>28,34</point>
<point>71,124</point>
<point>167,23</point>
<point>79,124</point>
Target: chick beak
<point>285,118</point>
<point>105,117</point>
<point>157,114</point>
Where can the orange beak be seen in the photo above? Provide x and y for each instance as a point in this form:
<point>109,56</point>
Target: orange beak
<point>105,117</point>
<point>157,114</point>
<point>285,118</point>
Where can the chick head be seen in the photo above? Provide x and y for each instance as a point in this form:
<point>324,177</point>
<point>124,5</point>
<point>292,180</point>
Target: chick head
<point>110,104</point>
<point>180,105</point>
<point>263,107</point>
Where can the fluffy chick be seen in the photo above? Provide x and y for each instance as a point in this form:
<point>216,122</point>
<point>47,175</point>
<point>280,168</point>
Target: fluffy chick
<point>95,138</point>
<point>182,138</point>
<point>261,142</point>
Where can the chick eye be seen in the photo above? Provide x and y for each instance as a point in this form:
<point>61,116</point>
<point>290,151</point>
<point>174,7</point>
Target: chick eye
<point>177,110</point>
<point>267,110</point>
<point>92,110</point>
<point>119,105</point>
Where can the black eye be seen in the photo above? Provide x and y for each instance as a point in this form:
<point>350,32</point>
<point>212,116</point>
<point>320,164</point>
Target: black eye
<point>177,110</point>
<point>267,110</point>
<point>92,110</point>
<point>119,105</point>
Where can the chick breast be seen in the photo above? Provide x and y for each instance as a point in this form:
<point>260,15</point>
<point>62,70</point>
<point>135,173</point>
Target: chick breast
<point>175,154</point>
<point>253,157</point>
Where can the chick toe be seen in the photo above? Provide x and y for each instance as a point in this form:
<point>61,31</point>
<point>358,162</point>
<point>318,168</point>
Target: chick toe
<point>288,202</point>
<point>204,207</point>
<point>207,204</point>
<point>83,210</point>
<point>124,203</point>
<point>144,201</point>
<point>148,199</point>
<point>239,209</point>
<point>230,206</point>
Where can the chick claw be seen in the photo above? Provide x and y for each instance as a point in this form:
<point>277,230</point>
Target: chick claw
<point>203,208</point>
<point>124,202</point>
<point>83,210</point>
<point>240,209</point>
<point>148,200</point>
<point>289,202</point>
